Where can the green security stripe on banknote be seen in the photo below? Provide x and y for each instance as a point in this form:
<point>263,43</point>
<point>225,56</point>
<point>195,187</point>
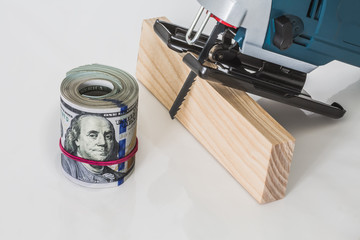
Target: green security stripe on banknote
<point>98,107</point>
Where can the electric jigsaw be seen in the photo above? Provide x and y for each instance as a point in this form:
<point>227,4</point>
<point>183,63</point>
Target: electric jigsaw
<point>267,47</point>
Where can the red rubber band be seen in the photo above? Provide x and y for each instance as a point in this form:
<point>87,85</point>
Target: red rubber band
<point>98,163</point>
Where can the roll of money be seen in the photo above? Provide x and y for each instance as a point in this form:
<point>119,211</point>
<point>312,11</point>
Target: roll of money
<point>98,107</point>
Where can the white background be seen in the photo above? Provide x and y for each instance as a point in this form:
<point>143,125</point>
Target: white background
<point>178,190</point>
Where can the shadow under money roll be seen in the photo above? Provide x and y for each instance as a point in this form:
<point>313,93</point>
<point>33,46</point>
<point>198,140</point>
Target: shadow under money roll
<point>98,125</point>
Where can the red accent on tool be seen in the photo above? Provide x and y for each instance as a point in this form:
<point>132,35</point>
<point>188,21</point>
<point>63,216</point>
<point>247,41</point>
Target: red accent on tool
<point>223,22</point>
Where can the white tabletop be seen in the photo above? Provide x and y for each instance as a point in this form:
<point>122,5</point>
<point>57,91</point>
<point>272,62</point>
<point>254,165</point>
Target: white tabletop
<point>178,190</point>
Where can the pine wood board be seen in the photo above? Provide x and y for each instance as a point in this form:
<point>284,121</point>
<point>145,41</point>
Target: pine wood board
<point>242,136</point>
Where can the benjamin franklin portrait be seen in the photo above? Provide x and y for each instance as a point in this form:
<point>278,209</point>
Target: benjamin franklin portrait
<point>91,137</point>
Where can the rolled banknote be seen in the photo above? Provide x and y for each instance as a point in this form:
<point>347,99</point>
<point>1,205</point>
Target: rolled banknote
<point>98,107</point>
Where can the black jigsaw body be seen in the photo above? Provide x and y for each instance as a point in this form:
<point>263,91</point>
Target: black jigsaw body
<point>239,71</point>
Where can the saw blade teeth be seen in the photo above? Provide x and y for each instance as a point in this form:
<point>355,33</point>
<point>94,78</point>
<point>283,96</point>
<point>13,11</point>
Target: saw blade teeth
<point>182,94</point>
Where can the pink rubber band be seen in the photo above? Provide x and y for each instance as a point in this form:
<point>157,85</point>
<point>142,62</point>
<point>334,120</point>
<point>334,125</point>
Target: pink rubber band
<point>98,163</point>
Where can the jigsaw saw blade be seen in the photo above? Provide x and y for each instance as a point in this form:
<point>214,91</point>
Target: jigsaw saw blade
<point>219,28</point>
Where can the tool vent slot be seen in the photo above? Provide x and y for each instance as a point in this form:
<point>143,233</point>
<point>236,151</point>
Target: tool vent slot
<point>302,40</point>
<point>318,10</point>
<point>315,8</point>
<point>311,8</point>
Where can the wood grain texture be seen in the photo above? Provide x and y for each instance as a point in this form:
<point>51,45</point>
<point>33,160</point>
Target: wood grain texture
<point>245,139</point>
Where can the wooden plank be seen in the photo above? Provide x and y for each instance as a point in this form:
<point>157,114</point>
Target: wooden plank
<point>245,139</point>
